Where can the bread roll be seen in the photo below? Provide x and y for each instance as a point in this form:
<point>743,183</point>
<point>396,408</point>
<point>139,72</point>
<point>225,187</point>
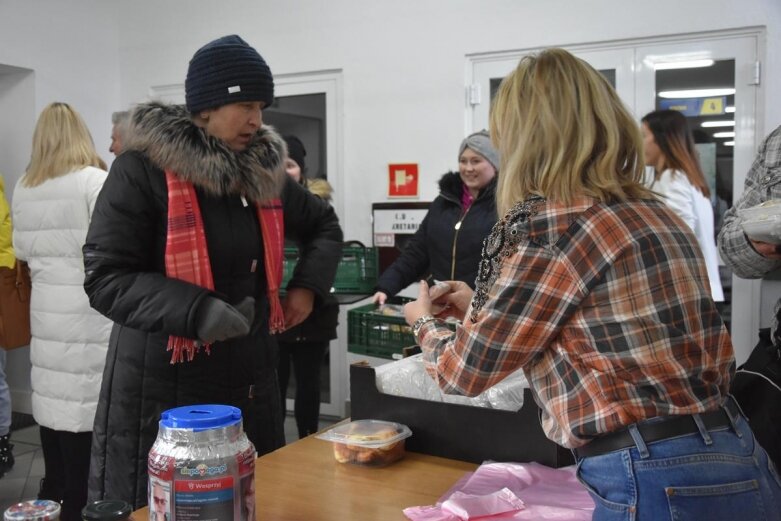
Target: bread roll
<point>373,456</point>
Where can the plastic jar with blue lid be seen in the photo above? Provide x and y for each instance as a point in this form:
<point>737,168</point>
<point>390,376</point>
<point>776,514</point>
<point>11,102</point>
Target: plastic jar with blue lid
<point>201,466</point>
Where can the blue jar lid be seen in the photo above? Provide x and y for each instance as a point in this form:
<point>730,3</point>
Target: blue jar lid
<point>200,417</point>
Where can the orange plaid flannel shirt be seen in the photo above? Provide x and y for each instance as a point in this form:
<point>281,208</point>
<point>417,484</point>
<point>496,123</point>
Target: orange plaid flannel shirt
<point>607,308</point>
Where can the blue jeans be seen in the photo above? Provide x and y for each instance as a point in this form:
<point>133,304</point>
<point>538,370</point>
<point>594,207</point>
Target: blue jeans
<point>722,474</point>
<point>5,398</point>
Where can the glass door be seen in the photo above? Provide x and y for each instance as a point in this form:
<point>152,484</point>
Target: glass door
<point>711,82</point>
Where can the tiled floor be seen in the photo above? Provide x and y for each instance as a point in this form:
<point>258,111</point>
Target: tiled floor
<point>23,480</point>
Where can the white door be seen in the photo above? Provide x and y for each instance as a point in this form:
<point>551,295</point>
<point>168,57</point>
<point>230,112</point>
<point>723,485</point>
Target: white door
<point>307,105</point>
<point>487,72</point>
<point>727,121</point>
<point>636,68</point>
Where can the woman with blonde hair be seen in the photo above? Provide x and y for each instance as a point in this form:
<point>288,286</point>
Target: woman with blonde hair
<point>600,293</point>
<point>52,207</point>
<point>669,148</point>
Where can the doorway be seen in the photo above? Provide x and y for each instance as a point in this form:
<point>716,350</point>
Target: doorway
<point>306,106</point>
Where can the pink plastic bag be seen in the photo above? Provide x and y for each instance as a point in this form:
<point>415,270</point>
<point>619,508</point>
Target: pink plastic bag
<point>468,506</point>
<point>533,491</point>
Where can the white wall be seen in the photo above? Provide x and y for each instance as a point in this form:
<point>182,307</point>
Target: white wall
<point>17,105</point>
<point>72,49</point>
<point>404,61</point>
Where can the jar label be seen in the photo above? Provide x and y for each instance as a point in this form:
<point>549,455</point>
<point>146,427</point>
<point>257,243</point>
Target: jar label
<point>160,465</point>
<point>204,498</point>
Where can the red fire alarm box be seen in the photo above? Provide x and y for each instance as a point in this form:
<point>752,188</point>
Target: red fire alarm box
<point>403,180</point>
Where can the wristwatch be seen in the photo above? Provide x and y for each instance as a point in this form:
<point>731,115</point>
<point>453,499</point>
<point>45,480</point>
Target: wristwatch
<point>419,323</point>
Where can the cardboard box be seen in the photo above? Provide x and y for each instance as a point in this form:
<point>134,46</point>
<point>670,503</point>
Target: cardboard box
<point>456,431</point>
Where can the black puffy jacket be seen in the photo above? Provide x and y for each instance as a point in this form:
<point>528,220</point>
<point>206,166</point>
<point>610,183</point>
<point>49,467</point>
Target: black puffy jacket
<point>125,280</point>
<point>321,323</point>
<point>448,243</point>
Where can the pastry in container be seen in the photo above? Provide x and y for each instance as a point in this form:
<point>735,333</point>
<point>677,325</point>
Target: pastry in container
<point>373,443</point>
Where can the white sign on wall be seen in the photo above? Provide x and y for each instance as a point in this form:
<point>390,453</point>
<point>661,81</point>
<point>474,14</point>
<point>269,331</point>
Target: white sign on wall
<point>388,223</point>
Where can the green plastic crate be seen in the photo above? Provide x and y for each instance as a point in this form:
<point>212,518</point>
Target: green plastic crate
<point>371,333</point>
<point>356,273</point>
<point>288,265</point>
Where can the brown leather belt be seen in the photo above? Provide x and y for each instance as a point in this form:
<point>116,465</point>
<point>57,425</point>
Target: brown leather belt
<point>651,431</point>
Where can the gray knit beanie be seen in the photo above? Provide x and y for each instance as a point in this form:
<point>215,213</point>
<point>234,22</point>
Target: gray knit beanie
<point>227,70</point>
<point>480,142</point>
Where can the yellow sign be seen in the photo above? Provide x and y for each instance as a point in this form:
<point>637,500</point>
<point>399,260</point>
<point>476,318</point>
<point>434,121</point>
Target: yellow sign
<point>711,106</point>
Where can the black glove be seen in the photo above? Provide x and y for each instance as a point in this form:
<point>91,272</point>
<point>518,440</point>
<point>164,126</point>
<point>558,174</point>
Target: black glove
<point>217,320</point>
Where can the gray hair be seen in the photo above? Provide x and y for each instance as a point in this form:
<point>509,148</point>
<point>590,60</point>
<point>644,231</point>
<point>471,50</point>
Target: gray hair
<point>120,118</point>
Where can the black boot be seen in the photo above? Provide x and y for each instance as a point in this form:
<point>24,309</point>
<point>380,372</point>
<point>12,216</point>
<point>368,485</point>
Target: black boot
<point>6,456</point>
<point>50,491</point>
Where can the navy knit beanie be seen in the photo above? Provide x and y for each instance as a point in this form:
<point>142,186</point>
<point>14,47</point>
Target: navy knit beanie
<point>227,70</point>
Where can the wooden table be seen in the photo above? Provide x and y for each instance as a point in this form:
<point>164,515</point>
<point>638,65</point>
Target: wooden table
<point>303,482</point>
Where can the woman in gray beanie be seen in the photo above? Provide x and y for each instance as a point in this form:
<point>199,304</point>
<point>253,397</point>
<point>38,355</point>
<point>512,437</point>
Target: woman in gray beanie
<point>184,254</point>
<point>448,243</point>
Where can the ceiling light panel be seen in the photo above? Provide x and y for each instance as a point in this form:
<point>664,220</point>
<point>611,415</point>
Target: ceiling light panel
<point>696,93</point>
<point>711,124</point>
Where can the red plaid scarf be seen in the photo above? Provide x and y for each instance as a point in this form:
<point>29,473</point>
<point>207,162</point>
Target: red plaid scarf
<point>187,255</point>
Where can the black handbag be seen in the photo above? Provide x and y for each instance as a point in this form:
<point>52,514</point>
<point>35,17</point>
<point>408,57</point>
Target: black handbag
<point>757,389</point>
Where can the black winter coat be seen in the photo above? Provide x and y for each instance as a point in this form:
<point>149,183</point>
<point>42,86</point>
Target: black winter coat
<point>319,326</point>
<point>448,243</point>
<point>125,280</point>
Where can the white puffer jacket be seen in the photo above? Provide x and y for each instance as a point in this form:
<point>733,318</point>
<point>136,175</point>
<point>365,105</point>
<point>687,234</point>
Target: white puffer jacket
<point>69,338</point>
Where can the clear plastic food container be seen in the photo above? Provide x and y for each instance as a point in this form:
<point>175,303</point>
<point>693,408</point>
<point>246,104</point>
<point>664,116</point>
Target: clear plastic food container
<point>763,221</point>
<point>374,443</point>
<point>33,510</point>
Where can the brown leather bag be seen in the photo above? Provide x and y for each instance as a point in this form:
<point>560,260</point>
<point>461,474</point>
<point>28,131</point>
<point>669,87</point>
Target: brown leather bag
<point>15,287</point>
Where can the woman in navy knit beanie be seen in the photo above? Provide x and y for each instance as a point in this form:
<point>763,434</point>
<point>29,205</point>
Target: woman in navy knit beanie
<point>184,254</point>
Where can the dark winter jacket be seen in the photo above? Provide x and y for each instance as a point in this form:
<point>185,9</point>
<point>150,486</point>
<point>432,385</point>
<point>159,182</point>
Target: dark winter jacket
<point>448,243</point>
<point>320,325</point>
<point>125,280</point>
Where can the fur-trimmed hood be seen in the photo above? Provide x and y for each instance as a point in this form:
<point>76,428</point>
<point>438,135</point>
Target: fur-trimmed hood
<point>320,187</point>
<point>167,135</point>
